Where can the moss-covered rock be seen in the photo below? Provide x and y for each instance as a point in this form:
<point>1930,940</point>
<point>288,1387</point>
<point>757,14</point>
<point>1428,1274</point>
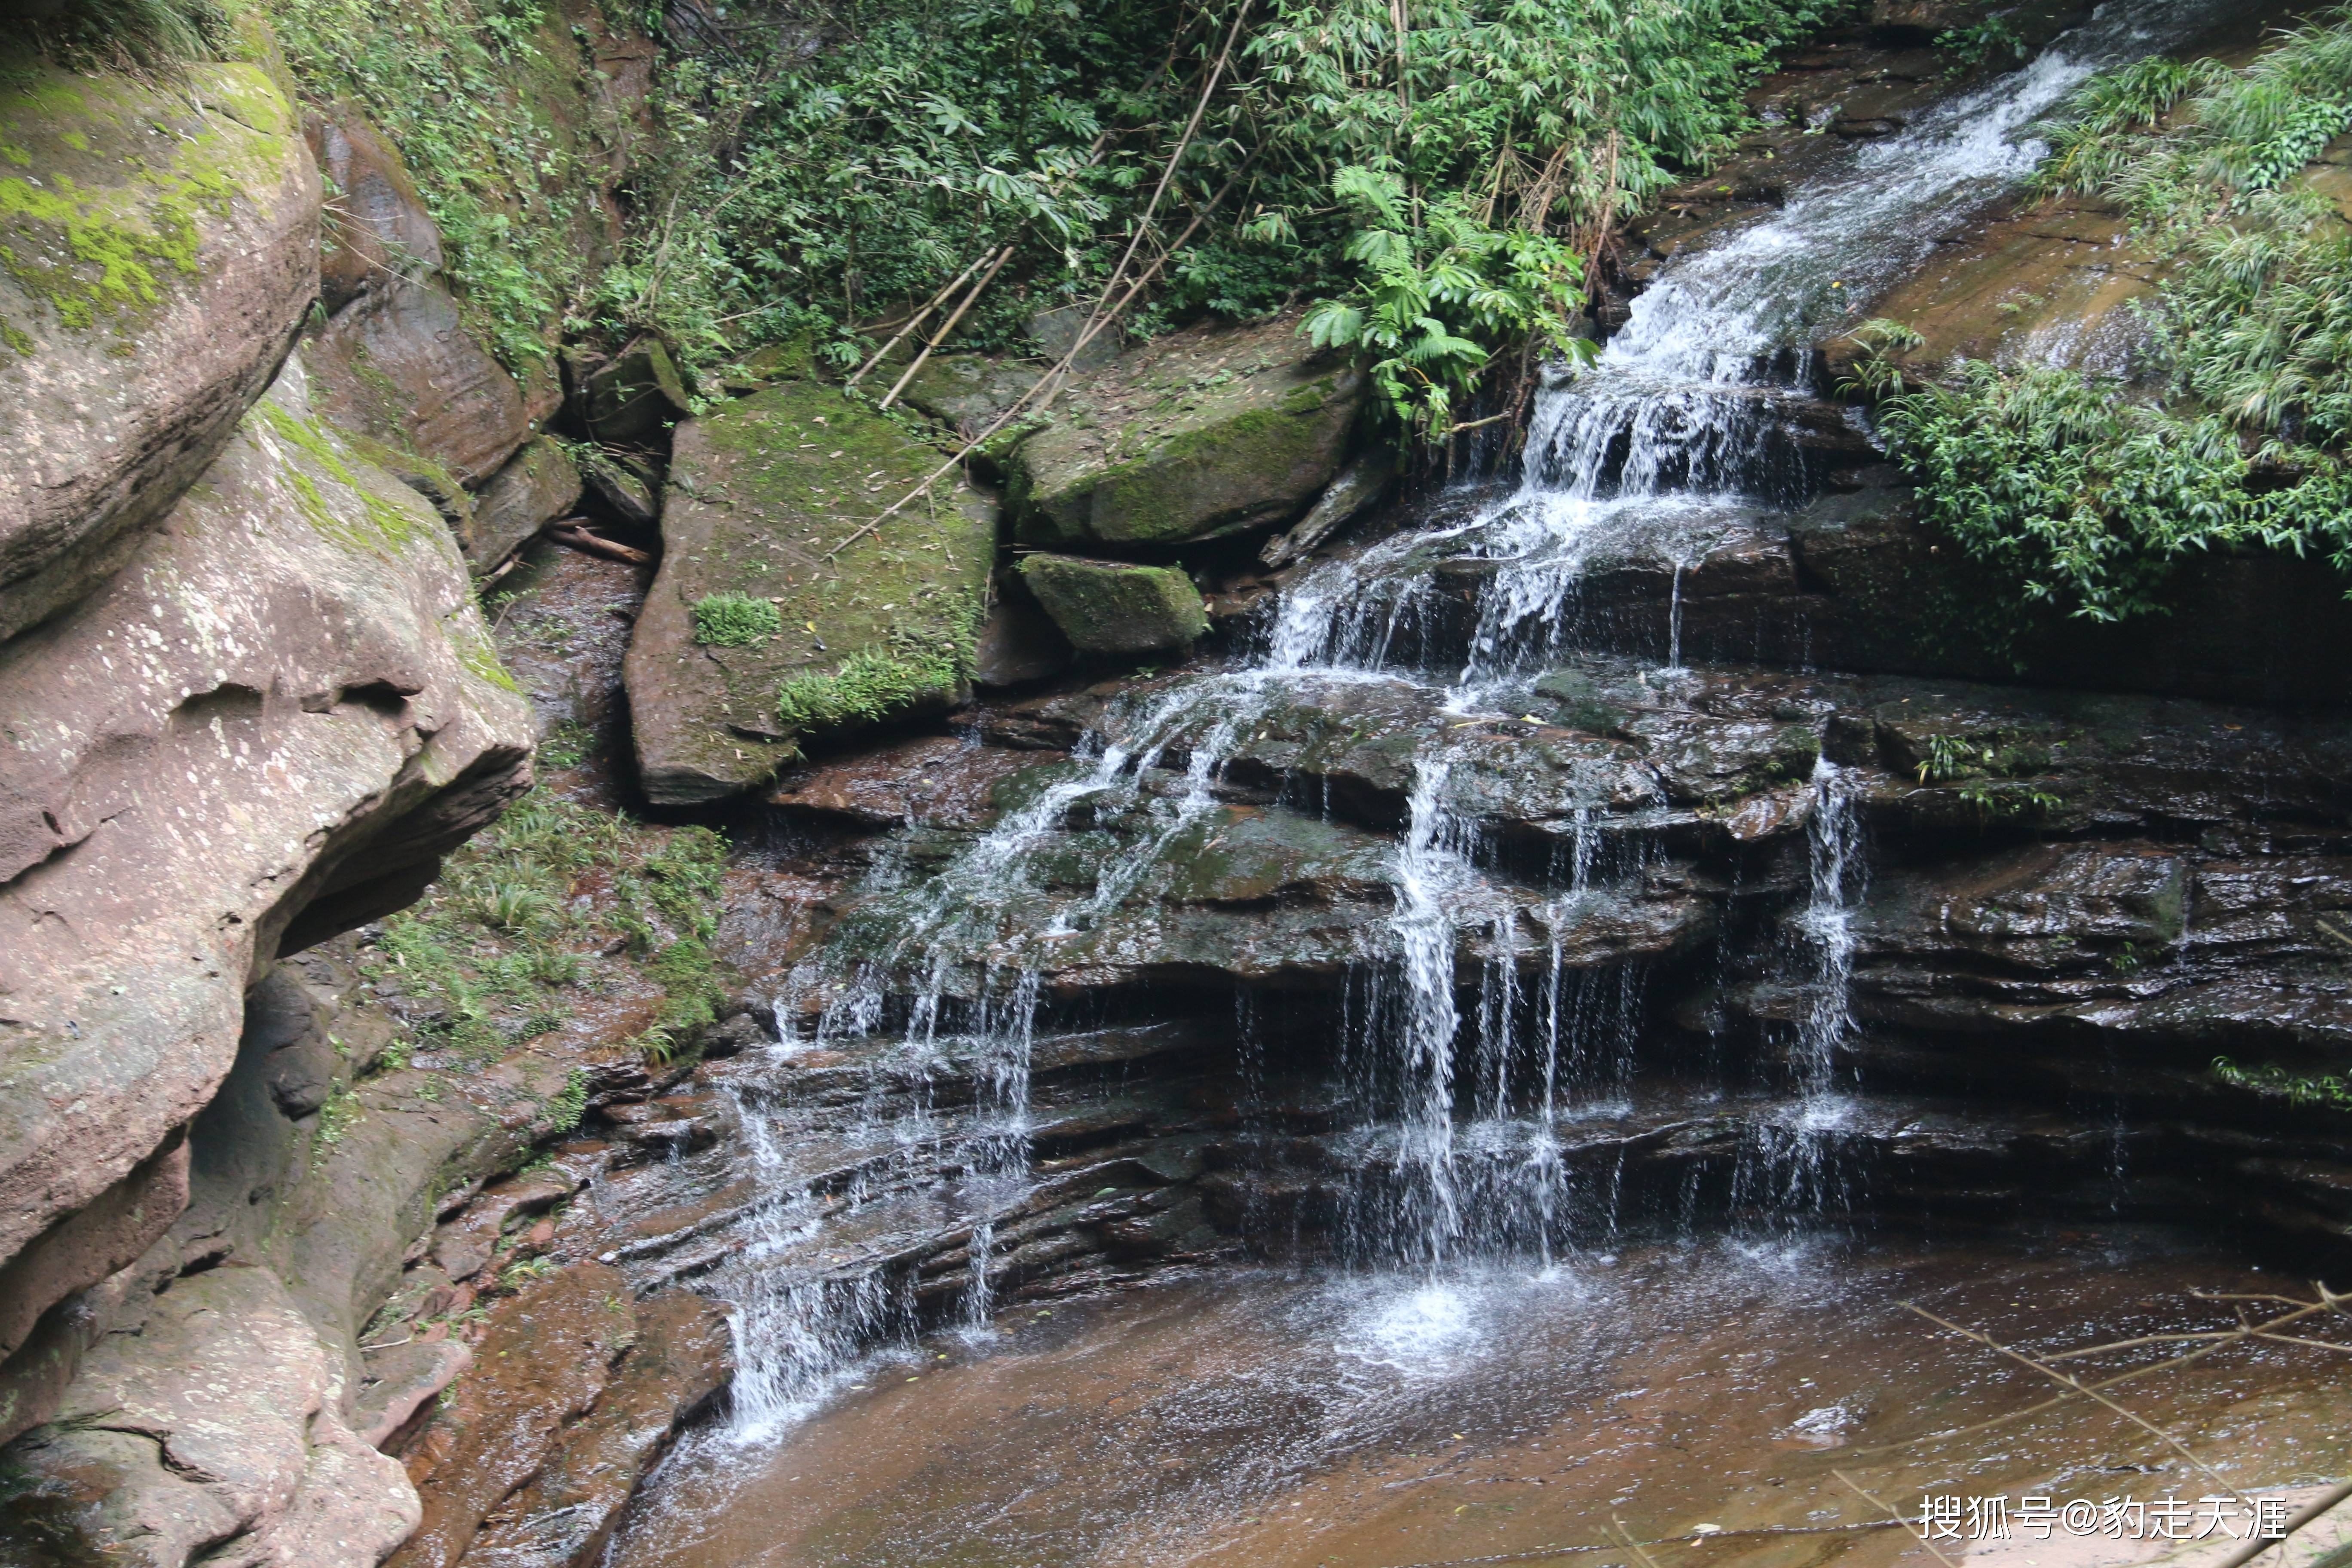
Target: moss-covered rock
<point>158,249</point>
<point>1206,432</point>
<point>1112,607</point>
<point>762,495</point>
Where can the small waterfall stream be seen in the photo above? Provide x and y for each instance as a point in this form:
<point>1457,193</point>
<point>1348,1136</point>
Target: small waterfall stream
<point>1680,437</point>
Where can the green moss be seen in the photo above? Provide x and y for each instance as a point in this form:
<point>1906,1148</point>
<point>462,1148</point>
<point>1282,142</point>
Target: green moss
<point>877,683</point>
<point>107,214</point>
<point>1107,607</point>
<point>365,521</point>
<point>478,655</point>
<point>735,620</point>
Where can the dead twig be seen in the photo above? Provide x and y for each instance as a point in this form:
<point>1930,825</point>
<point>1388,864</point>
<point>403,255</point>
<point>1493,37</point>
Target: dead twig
<point>1004,255</point>
<point>2303,1516</point>
<point>588,543</point>
<point>1895,1514</point>
<point>2329,1301</point>
<point>1632,1545</point>
<point>2079,1387</point>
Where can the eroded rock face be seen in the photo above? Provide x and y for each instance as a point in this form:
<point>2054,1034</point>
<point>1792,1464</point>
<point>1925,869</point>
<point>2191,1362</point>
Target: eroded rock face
<point>398,367</point>
<point>217,1428</point>
<point>119,381</point>
<point>562,1519</point>
<point>1203,433</point>
<point>266,729</point>
<point>761,496</point>
<point>547,1357</point>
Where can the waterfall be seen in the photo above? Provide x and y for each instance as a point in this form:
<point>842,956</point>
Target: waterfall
<point>1677,438</point>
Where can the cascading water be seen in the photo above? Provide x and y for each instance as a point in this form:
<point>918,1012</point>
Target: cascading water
<point>1681,435</point>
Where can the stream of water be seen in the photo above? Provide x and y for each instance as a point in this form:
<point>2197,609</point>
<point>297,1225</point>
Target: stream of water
<point>1679,438</point>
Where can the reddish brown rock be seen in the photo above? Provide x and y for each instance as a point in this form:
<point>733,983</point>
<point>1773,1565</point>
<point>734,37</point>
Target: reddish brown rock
<point>118,383</point>
<point>938,781</point>
<point>377,229</point>
<point>218,1421</point>
<point>684,1354</point>
<point>91,1244</point>
<point>398,367</point>
<point>546,1357</point>
<point>266,728</point>
<point>537,484</point>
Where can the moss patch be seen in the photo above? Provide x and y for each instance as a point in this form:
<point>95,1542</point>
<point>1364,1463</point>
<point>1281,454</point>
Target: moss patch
<point>766,501</point>
<point>735,620</point>
<point>1109,606</point>
<point>105,184</point>
<point>1205,433</point>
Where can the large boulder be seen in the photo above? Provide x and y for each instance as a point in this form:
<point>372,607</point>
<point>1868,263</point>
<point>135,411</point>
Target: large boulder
<point>761,495</point>
<point>1202,433</point>
<point>539,484</point>
<point>1116,606</point>
<point>266,728</point>
<point>158,249</point>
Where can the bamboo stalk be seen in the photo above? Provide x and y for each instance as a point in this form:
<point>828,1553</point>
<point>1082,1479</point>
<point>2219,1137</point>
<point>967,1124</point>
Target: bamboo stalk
<point>1022,403</point>
<point>917,320</point>
<point>915,364</point>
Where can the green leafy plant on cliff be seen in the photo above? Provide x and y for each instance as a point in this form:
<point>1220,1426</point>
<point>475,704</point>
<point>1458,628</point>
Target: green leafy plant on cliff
<point>801,190</point>
<point>1439,297</point>
<point>142,37</point>
<point>2300,1091</point>
<point>469,92</point>
<point>2089,499</point>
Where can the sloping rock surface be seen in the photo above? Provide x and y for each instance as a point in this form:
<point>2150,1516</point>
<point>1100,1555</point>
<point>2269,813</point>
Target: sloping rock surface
<point>120,379</point>
<point>762,495</point>
<point>267,728</point>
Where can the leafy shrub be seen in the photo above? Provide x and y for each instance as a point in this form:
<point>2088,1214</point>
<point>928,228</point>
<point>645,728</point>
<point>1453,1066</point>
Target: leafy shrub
<point>2089,500</point>
<point>735,620</point>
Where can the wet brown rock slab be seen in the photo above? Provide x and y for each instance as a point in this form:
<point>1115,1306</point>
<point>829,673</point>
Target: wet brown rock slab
<point>546,1356</point>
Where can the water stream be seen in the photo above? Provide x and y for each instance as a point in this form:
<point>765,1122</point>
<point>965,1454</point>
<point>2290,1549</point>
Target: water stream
<point>1466,1047</point>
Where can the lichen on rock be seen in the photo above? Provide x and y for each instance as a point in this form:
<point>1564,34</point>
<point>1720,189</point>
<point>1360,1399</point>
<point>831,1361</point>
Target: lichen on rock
<point>157,251</point>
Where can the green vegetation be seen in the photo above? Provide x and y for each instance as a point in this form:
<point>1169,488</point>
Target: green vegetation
<point>481,98</point>
<point>2330,1089</point>
<point>135,36</point>
<point>2089,500</point>
<point>735,620</point>
<point>1439,174</point>
<point>874,683</point>
<point>554,906</point>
